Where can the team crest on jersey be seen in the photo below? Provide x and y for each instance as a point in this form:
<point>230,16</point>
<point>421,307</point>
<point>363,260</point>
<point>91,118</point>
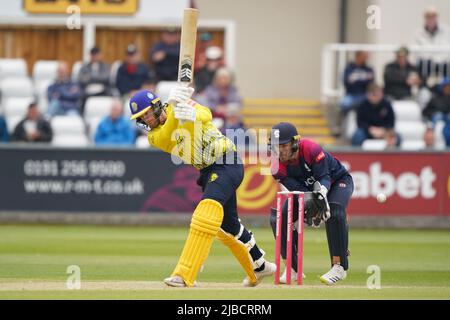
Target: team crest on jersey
<point>213,177</point>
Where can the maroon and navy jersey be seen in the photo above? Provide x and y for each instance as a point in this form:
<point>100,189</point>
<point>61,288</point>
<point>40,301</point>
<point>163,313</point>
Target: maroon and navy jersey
<point>312,164</point>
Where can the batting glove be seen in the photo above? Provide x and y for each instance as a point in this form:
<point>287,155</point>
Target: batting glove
<point>183,111</point>
<point>179,94</point>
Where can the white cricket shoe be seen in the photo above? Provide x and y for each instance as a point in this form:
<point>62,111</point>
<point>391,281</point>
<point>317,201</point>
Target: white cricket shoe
<point>269,269</point>
<point>176,281</point>
<point>335,274</point>
<point>293,276</point>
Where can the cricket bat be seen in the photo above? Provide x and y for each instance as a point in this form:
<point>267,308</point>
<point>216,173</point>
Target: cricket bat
<point>187,47</point>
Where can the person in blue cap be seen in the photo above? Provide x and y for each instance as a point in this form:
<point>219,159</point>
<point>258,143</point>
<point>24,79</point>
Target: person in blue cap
<point>184,128</point>
<point>302,165</point>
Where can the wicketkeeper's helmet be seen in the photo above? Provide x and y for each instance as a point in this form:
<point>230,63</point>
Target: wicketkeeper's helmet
<point>284,132</point>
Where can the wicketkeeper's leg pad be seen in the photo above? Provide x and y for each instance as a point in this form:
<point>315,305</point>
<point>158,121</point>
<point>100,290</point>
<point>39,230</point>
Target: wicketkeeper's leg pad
<point>241,251</point>
<point>205,224</point>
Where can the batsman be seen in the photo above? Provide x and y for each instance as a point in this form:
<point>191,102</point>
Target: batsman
<point>184,128</point>
<point>302,165</point>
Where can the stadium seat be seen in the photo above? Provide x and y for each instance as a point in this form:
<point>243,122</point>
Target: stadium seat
<point>97,106</point>
<point>15,109</point>
<point>16,106</point>
<point>410,130</point>
<point>412,145</point>
<point>114,68</point>
<point>439,135</point>
<point>142,142</point>
<point>374,144</point>
<point>126,109</point>
<point>13,68</point>
<point>70,141</point>
<point>16,87</point>
<point>406,110</point>
<point>76,70</point>
<point>350,124</point>
<point>69,131</point>
<point>68,125</point>
<point>12,121</point>
<point>163,88</point>
<point>45,70</point>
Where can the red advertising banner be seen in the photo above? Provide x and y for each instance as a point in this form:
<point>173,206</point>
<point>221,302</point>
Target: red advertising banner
<point>413,183</point>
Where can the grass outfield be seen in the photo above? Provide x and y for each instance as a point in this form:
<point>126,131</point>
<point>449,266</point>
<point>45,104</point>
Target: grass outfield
<point>130,262</point>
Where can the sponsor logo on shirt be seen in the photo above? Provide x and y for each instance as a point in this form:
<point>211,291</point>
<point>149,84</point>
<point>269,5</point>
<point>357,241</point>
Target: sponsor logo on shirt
<point>320,156</point>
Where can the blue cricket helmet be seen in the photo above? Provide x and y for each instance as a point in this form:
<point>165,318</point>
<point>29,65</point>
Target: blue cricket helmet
<point>141,102</point>
<point>284,131</point>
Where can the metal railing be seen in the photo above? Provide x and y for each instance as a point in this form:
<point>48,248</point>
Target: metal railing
<point>336,56</point>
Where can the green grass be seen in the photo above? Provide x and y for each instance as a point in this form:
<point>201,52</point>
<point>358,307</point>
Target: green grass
<point>414,264</point>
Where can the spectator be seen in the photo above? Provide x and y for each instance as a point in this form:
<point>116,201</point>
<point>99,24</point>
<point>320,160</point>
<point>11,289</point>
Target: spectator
<point>429,139</point>
<point>439,106</point>
<point>446,133</point>
<point>431,34</point>
<point>63,95</point>
<point>221,92</point>
<point>94,76</point>
<point>4,136</point>
<point>357,77</point>
<point>204,76</point>
<point>115,129</point>
<point>131,73</point>
<point>400,76</point>
<point>165,55</point>
<point>375,119</point>
<point>234,127</point>
<point>33,128</point>
<point>200,50</point>
<point>149,85</point>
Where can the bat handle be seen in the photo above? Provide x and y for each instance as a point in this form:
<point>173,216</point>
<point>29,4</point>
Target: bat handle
<point>186,84</point>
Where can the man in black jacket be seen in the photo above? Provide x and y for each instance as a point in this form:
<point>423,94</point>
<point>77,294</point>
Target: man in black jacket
<point>376,119</point>
<point>400,76</point>
<point>33,128</point>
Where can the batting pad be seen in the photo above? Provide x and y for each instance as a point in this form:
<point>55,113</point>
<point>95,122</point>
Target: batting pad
<point>205,224</point>
<point>241,253</point>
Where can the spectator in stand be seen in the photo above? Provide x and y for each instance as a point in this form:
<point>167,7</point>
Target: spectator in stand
<point>400,77</point>
<point>446,133</point>
<point>115,129</point>
<point>149,85</point>
<point>94,76</point>
<point>204,76</point>
<point>357,77</point>
<point>132,73</point>
<point>33,128</point>
<point>200,50</point>
<point>432,33</point>
<point>64,95</point>
<point>4,136</point>
<point>234,128</point>
<point>375,119</point>
<point>438,109</point>
<point>221,93</point>
<point>429,139</point>
<point>166,54</point>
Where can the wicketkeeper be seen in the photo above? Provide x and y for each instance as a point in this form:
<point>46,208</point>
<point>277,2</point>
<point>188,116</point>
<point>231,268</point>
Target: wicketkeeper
<point>183,128</point>
<point>304,166</point>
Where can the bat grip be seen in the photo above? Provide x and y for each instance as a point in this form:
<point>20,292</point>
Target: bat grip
<point>186,84</point>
